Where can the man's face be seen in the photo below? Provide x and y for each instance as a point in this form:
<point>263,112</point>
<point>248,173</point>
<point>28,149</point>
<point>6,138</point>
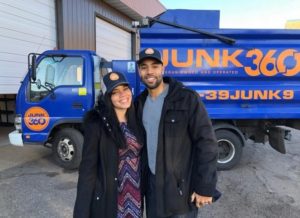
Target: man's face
<point>151,73</point>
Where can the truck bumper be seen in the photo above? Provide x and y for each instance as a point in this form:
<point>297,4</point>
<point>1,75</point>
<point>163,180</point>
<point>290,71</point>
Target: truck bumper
<point>15,138</point>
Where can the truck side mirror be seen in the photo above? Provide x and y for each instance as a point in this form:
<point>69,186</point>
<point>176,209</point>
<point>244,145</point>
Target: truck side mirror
<point>33,67</point>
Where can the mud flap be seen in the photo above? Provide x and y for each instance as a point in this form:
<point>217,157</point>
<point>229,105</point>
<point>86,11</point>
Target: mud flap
<point>276,139</point>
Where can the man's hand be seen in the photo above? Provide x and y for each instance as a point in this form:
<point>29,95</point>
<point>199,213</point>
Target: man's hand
<point>200,200</point>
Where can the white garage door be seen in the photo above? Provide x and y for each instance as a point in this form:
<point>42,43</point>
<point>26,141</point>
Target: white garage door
<point>112,43</point>
<point>25,26</point>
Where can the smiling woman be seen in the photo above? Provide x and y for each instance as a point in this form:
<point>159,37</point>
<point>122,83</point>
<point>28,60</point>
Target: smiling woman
<point>111,168</point>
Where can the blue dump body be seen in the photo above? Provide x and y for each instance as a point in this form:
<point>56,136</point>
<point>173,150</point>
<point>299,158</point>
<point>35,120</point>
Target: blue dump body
<point>250,88</point>
<point>256,78</point>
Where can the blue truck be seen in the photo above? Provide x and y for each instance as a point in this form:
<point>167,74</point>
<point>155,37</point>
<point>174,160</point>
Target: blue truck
<point>248,80</point>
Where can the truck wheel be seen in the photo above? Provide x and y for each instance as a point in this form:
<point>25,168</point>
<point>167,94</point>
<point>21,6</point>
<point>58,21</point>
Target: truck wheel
<point>67,148</point>
<point>230,149</point>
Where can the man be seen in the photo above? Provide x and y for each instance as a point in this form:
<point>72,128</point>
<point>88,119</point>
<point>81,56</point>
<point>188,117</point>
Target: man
<point>181,145</point>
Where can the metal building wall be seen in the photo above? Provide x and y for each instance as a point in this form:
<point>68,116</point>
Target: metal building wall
<point>76,22</point>
<point>25,27</point>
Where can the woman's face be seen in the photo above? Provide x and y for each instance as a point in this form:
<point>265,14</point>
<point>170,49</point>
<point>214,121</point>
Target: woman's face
<point>121,97</point>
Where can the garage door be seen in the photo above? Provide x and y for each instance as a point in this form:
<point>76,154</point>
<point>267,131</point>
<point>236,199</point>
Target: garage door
<point>25,26</point>
<point>112,43</point>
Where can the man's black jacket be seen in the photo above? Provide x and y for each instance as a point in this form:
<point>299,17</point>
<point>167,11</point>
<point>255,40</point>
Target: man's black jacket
<point>187,150</point>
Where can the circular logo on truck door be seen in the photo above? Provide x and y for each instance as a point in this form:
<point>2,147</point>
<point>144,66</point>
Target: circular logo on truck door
<point>36,118</point>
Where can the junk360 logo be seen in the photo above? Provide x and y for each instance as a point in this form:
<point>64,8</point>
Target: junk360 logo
<point>36,118</point>
<point>255,62</point>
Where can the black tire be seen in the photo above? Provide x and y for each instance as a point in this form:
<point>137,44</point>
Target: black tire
<point>230,149</point>
<point>67,148</point>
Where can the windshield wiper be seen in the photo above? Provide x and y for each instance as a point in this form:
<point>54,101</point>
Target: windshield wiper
<point>48,86</point>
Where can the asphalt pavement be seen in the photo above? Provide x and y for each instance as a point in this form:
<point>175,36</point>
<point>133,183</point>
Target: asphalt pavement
<point>265,184</point>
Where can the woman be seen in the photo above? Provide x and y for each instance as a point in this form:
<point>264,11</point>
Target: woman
<point>109,183</point>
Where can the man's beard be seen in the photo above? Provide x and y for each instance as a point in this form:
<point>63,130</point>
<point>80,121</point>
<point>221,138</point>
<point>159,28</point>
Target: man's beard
<point>155,85</point>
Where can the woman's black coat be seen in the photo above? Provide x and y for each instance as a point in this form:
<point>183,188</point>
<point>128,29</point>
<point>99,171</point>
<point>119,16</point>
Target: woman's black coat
<point>97,182</point>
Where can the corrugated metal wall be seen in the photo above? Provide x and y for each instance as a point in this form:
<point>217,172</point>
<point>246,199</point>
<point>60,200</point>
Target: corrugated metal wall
<point>76,22</point>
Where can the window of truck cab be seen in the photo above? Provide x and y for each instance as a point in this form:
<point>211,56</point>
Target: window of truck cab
<point>53,72</point>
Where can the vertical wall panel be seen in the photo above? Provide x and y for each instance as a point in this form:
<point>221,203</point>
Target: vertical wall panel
<point>78,17</point>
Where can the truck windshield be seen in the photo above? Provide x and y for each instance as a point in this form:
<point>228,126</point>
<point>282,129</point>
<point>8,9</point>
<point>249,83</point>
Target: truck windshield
<point>56,71</point>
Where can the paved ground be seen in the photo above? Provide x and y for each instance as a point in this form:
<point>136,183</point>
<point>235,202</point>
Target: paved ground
<point>264,184</point>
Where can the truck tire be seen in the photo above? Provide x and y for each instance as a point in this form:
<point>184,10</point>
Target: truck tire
<point>230,149</point>
<point>67,148</point>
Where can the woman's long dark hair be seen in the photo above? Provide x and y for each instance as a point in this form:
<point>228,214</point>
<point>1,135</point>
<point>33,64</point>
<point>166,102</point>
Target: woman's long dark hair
<point>105,106</point>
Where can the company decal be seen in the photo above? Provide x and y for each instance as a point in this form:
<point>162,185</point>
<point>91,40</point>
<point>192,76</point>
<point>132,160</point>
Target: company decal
<point>254,62</point>
<point>247,94</point>
<point>36,118</point>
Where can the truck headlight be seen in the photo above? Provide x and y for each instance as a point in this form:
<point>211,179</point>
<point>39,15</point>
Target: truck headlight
<point>18,122</point>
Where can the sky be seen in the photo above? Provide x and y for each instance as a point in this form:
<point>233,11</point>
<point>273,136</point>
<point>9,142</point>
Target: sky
<point>248,14</point>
